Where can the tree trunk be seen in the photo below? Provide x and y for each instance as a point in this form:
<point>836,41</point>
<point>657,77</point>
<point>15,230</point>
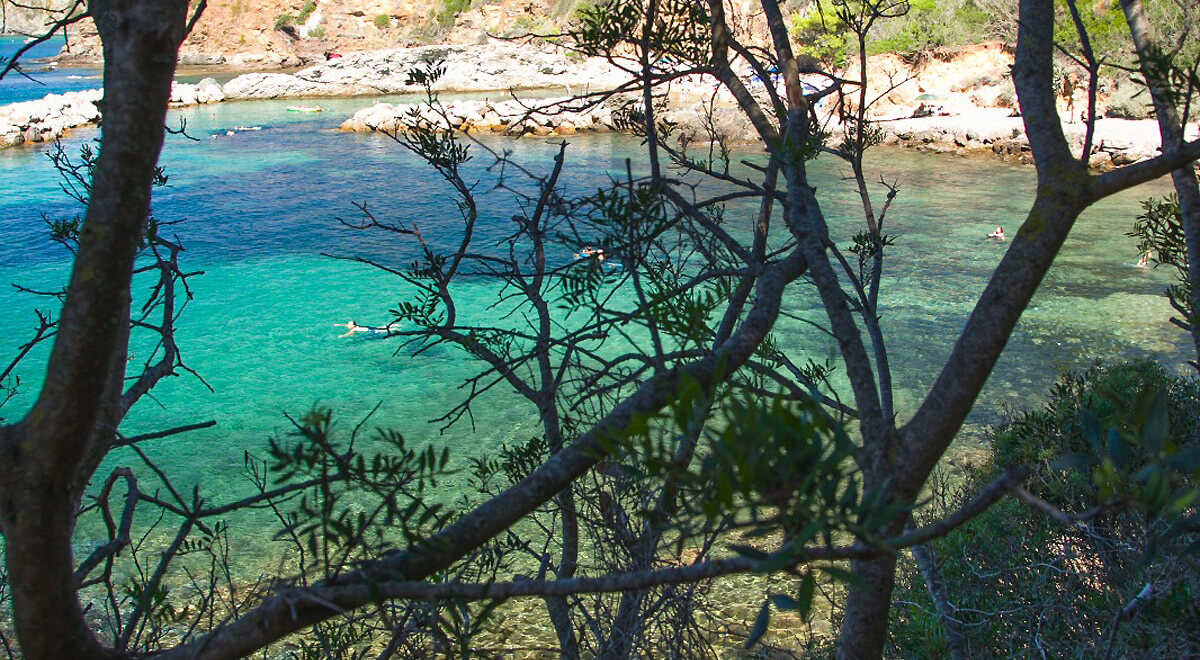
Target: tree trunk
<point>1170,128</point>
<point>865,624</point>
<point>50,455</point>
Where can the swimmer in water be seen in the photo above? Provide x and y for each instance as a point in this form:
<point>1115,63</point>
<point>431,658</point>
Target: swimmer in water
<point>1144,260</point>
<point>998,234</point>
<point>588,252</point>
<point>352,328</point>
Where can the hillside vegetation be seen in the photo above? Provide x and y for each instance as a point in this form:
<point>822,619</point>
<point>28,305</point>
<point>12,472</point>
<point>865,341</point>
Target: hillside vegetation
<point>280,33</point>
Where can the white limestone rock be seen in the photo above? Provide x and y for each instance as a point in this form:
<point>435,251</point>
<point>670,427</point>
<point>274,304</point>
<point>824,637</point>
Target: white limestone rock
<point>477,67</point>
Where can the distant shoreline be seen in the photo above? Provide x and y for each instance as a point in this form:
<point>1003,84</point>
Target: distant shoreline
<point>956,124</point>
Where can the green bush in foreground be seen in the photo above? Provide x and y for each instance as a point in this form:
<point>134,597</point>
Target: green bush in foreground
<point>1023,584</point>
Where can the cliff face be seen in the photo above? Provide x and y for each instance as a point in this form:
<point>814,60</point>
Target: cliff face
<point>265,34</point>
<point>271,34</point>
<point>289,32</point>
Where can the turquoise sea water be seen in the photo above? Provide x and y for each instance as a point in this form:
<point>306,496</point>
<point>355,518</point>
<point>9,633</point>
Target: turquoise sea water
<point>44,78</point>
<point>259,207</point>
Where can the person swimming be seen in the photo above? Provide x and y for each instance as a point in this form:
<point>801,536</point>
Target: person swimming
<point>352,328</point>
<point>589,252</point>
<point>1144,260</point>
<point>998,234</point>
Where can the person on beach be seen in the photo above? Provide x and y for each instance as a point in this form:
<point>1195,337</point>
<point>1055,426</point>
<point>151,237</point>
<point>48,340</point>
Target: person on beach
<point>1070,82</point>
<point>998,234</point>
<point>1144,260</point>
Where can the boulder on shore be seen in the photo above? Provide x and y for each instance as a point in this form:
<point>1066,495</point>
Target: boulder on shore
<point>48,118</point>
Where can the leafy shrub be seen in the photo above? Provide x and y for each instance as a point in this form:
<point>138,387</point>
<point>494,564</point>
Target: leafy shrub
<point>930,24</point>
<point>1159,230</point>
<point>305,12</point>
<point>450,10</point>
<point>288,22</point>
<point>1106,27</point>
<point>1023,584</point>
<point>820,35</point>
<point>383,21</point>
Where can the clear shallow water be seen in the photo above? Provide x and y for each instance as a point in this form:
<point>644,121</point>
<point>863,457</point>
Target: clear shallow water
<point>260,206</point>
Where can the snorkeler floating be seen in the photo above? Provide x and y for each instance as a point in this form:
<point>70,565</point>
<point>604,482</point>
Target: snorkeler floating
<point>589,252</point>
<point>600,259</point>
<point>353,328</point>
<point>998,234</point>
<point>1144,260</point>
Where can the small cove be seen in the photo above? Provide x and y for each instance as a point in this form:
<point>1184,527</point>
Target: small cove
<point>260,206</point>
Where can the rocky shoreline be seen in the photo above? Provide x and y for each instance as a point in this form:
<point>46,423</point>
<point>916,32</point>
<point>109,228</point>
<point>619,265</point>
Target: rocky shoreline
<point>474,68</point>
<point>971,113</point>
<point>1115,142</point>
<point>548,116</point>
<point>978,131</point>
<point>471,68</point>
<point>49,118</point>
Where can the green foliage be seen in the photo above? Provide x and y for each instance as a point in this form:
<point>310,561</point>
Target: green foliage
<point>317,32</point>
<point>866,246</point>
<point>1109,36</point>
<point>798,475</point>
<point>931,24</point>
<point>514,463</point>
<point>820,35</point>
<point>1114,416</point>
<point>679,33</point>
<point>382,21</point>
<point>823,32</point>
<point>288,22</point>
<point>1124,438</point>
<point>525,25</point>
<point>306,11</point>
<point>1105,24</point>
<point>450,10</point>
<point>1159,230</point>
<point>357,504</point>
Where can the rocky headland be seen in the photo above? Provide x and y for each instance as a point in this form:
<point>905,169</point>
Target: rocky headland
<point>496,66</point>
